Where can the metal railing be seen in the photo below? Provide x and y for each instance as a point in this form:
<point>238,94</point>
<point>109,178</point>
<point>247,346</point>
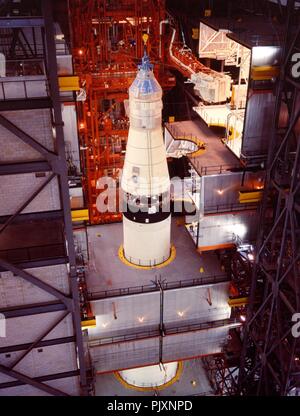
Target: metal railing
<point>178,134</point>
<point>201,325</point>
<point>213,209</point>
<point>34,253</point>
<point>24,67</point>
<point>213,170</point>
<point>135,290</point>
<point>36,50</point>
<point>123,338</point>
<point>168,331</point>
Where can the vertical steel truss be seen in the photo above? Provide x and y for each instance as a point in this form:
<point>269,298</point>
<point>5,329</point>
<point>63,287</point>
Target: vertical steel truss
<point>221,377</point>
<point>270,353</point>
<point>58,166</point>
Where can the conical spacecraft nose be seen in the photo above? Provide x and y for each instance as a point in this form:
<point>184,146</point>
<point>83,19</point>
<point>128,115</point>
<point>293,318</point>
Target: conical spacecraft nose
<point>145,84</point>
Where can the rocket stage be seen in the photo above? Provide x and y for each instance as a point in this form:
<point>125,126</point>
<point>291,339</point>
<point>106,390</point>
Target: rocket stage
<point>106,271</point>
<point>108,385</point>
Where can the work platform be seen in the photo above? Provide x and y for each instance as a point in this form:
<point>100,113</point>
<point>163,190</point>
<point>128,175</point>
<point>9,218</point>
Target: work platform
<point>104,242</point>
<point>217,180</point>
<point>250,31</point>
<point>191,301</point>
<point>216,157</point>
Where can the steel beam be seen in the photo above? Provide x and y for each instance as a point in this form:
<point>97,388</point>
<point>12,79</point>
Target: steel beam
<point>14,23</point>
<point>26,138</point>
<point>39,339</point>
<point>24,167</point>
<point>33,103</point>
<point>31,381</point>
<point>55,162</point>
<point>39,263</point>
<point>48,377</point>
<point>35,216</point>
<point>35,309</point>
<point>41,344</point>
<point>27,202</point>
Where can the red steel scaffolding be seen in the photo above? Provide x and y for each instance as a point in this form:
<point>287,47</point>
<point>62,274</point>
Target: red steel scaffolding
<point>107,44</point>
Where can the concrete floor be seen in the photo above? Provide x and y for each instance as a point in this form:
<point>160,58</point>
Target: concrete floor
<point>106,271</point>
<point>108,385</point>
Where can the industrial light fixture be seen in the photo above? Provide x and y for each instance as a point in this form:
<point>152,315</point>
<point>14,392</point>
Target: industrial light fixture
<point>180,313</point>
<point>264,55</point>
<point>220,191</point>
<point>141,319</point>
<point>104,324</point>
<point>243,318</point>
<point>80,52</point>
<point>238,229</point>
<point>250,256</point>
<point>193,383</point>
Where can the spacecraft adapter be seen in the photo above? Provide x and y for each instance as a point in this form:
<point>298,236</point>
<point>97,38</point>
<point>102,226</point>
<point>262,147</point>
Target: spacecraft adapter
<point>145,179</point>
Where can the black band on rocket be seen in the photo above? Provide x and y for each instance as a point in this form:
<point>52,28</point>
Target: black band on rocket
<point>145,217</point>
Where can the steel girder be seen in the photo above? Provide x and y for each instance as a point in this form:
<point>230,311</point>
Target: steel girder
<point>40,344</point>
<point>42,379</point>
<point>37,308</point>
<point>10,23</point>
<point>55,163</point>
<point>64,187</point>
<point>221,377</point>
<point>31,381</point>
<point>270,353</point>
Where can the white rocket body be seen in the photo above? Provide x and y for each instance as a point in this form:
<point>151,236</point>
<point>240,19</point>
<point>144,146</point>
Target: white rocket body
<point>151,376</point>
<point>145,180</point>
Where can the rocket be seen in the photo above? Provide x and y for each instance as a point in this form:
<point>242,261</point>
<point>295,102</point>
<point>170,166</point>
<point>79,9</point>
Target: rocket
<point>145,180</point>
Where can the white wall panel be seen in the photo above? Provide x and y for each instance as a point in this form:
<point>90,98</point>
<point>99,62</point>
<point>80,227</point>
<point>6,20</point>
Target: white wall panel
<point>16,189</point>
<point>192,344</point>
<point>125,355</point>
<point>15,291</point>
<point>37,123</point>
<point>139,312</point>
<point>69,385</point>
<point>222,229</point>
<point>26,329</point>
